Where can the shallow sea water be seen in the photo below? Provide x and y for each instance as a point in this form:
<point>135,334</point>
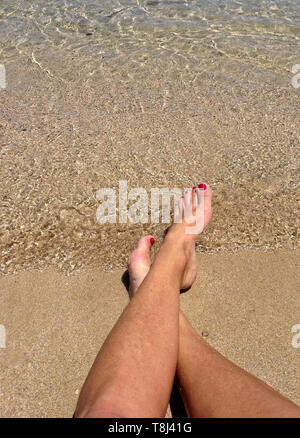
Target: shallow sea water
<point>160,93</point>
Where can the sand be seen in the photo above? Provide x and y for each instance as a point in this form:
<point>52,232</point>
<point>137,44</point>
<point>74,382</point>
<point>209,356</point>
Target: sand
<point>244,304</point>
<point>155,125</point>
<point>93,97</point>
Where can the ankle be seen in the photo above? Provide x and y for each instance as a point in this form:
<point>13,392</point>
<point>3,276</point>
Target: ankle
<point>179,239</point>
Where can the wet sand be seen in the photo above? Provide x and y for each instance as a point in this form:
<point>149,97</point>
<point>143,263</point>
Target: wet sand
<point>244,304</point>
<point>72,125</point>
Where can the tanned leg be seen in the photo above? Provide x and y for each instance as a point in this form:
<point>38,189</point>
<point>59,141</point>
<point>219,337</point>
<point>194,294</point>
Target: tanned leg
<point>212,386</point>
<point>133,373</point>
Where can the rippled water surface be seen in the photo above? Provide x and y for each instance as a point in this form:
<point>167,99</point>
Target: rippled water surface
<point>204,35</point>
<point>161,93</point>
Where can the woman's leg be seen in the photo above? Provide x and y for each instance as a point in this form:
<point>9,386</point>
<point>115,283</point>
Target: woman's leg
<point>212,386</point>
<point>133,373</point>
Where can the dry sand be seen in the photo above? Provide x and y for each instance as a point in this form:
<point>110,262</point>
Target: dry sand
<point>245,305</point>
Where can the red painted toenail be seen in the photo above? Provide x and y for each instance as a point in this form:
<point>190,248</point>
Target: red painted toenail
<point>152,240</point>
<point>202,186</point>
<point>194,188</point>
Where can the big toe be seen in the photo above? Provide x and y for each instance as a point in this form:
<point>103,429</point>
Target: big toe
<point>145,243</point>
<point>205,196</point>
<point>142,251</point>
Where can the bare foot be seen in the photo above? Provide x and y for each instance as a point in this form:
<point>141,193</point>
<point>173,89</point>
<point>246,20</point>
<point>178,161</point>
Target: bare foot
<point>139,263</point>
<point>194,211</point>
<point>139,260</point>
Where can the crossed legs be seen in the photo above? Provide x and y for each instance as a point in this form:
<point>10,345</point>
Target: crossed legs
<point>212,386</point>
<point>153,342</point>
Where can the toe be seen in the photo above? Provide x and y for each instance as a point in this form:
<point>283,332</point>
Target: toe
<point>187,204</point>
<point>187,198</point>
<point>142,251</point>
<point>178,211</point>
<point>145,243</point>
<point>194,198</point>
<point>204,196</point>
